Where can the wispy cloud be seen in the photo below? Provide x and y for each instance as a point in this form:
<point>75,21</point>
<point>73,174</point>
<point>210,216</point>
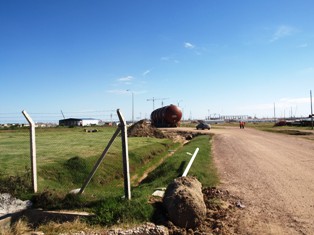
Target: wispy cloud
<point>117,91</point>
<point>125,92</point>
<point>282,32</point>
<point>125,79</point>
<point>146,73</point>
<point>189,45</point>
<point>170,59</point>
<point>196,49</point>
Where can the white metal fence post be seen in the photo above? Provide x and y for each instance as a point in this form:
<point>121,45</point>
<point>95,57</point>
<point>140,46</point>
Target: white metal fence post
<point>125,156</point>
<point>190,163</point>
<point>92,173</point>
<point>33,150</point>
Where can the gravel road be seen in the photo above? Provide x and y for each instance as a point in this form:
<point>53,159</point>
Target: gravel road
<point>273,174</point>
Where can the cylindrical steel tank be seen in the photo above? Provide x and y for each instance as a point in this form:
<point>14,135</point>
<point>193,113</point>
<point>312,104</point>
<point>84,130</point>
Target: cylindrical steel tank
<point>168,116</point>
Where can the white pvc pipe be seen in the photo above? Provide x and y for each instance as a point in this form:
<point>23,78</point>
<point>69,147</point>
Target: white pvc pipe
<point>186,171</point>
<point>33,150</point>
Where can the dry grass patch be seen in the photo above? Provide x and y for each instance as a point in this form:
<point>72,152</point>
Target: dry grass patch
<point>68,227</point>
<point>19,228</point>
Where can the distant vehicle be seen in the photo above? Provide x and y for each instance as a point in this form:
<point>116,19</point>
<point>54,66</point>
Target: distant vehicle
<point>203,126</point>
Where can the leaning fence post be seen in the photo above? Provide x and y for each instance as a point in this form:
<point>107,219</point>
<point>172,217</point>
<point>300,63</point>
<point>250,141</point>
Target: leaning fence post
<point>92,173</point>
<point>190,163</point>
<point>125,156</point>
<point>33,150</point>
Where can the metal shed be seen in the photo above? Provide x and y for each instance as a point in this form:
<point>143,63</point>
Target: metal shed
<point>78,122</point>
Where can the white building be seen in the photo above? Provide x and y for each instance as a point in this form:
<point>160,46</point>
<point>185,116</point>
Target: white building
<point>78,122</point>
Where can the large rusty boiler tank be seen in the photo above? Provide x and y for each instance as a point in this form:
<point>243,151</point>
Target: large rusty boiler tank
<point>168,116</point>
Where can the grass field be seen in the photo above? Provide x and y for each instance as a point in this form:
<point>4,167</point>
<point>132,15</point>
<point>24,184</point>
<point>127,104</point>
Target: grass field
<point>65,157</point>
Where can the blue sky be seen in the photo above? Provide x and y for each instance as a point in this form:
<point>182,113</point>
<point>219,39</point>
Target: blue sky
<point>86,58</point>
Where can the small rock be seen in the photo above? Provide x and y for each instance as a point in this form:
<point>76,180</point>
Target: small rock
<point>240,205</point>
<point>9,204</point>
<point>37,233</point>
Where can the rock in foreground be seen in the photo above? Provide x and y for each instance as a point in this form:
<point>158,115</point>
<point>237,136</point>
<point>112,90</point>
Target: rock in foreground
<point>184,202</point>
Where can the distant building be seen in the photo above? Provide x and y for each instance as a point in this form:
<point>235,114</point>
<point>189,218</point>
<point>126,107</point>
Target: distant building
<point>78,122</point>
<point>234,118</point>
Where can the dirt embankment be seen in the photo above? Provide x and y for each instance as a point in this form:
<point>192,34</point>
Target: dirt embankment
<point>144,129</point>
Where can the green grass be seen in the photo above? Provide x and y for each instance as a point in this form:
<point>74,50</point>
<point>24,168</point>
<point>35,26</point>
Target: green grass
<point>67,155</point>
<point>288,130</point>
<point>202,168</point>
<point>14,151</point>
<point>53,145</point>
<point>269,126</point>
<point>114,209</point>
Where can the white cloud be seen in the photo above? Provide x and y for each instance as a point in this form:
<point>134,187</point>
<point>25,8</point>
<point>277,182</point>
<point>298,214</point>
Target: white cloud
<point>117,92</point>
<point>170,59</point>
<point>146,72</point>
<point>282,32</point>
<point>125,79</point>
<point>189,45</point>
<point>126,92</point>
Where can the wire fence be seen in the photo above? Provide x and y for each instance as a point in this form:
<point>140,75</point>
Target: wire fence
<point>52,119</point>
<point>53,142</point>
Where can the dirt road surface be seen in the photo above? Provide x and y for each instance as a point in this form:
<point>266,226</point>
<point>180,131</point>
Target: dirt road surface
<point>273,174</point>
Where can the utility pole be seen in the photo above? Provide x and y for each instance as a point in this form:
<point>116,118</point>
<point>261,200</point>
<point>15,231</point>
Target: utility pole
<point>153,99</point>
<point>132,104</point>
<point>274,113</point>
<point>62,114</point>
<point>179,102</point>
<point>291,111</point>
<point>311,109</point>
<point>132,107</point>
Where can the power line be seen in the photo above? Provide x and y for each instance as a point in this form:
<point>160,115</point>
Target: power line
<point>153,99</point>
<point>12,117</point>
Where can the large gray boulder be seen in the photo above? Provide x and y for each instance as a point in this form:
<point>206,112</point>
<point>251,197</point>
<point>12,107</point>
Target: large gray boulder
<point>184,202</point>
